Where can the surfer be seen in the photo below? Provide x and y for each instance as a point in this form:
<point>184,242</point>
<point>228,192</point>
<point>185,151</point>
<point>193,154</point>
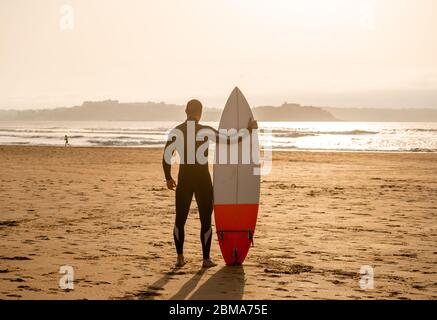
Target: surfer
<point>193,179</point>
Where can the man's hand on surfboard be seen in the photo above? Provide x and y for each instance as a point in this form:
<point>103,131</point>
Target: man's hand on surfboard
<point>171,184</point>
<point>253,124</point>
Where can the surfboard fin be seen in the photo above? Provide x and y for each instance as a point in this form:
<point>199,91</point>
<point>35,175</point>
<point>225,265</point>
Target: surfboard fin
<point>221,234</point>
<point>250,235</point>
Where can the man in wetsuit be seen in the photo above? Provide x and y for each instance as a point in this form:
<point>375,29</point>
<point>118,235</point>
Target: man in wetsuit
<point>193,178</point>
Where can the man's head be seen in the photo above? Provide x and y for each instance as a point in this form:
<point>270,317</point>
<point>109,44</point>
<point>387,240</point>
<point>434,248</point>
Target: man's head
<point>194,110</point>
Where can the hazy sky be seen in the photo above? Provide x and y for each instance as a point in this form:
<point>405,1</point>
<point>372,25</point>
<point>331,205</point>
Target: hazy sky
<point>380,53</point>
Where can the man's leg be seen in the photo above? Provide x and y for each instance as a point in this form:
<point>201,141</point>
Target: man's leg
<point>184,194</point>
<point>204,199</point>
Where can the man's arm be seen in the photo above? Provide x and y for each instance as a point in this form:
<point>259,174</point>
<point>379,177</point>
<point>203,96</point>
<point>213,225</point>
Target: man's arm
<point>166,166</point>
<point>253,124</point>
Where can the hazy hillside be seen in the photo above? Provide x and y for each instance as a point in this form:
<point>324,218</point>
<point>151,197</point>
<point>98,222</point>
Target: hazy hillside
<point>292,112</point>
<point>384,115</point>
<point>8,114</point>
<point>150,111</point>
<point>101,110</point>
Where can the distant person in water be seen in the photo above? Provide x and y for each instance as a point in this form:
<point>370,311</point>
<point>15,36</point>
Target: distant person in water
<point>193,179</point>
<point>66,141</point>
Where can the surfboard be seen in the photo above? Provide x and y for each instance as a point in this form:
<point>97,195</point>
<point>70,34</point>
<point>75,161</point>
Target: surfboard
<point>236,186</point>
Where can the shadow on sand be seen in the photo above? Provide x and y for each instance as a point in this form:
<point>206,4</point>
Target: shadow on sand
<point>227,283</point>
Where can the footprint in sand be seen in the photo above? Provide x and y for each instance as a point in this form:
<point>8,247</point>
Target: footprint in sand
<point>15,258</point>
<point>9,223</point>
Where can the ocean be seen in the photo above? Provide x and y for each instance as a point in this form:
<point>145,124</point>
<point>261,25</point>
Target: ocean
<point>321,136</point>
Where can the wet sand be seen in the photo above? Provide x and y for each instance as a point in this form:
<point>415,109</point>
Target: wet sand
<point>106,212</point>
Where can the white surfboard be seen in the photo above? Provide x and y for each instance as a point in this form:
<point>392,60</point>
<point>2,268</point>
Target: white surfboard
<point>236,186</point>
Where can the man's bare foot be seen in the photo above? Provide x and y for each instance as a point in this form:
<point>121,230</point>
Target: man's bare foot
<point>208,263</point>
<point>180,261</point>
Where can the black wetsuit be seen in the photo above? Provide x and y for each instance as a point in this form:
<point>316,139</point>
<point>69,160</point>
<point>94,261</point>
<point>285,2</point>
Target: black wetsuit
<point>192,179</point>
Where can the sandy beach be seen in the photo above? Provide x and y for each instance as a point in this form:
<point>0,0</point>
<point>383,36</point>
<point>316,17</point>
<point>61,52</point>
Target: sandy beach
<point>106,212</point>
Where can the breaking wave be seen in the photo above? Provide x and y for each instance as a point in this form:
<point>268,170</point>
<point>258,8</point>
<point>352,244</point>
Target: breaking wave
<point>130,143</point>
